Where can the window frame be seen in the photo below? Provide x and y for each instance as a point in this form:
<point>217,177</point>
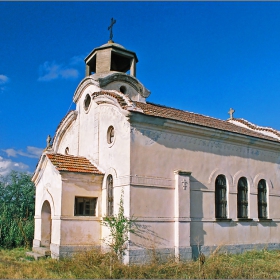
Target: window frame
<point>92,206</point>
<point>262,199</point>
<point>221,197</point>
<point>242,198</point>
<point>110,195</point>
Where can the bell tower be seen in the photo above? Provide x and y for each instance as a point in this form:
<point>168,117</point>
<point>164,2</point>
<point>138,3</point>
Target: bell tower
<point>111,57</point>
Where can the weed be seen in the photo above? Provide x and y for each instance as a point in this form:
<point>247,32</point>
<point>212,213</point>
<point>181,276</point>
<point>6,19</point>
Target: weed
<point>120,226</point>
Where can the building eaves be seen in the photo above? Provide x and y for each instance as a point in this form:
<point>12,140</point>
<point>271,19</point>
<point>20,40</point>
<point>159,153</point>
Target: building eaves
<point>155,110</point>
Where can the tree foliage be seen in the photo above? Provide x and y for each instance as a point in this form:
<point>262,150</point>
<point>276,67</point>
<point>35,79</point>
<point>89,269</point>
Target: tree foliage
<point>17,207</point>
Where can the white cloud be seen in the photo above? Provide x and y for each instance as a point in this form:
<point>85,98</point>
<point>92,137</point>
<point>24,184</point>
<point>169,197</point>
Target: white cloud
<point>7,165</point>
<point>69,73</point>
<point>76,60</point>
<point>32,152</point>
<point>52,70</point>
<point>35,151</point>
<point>3,81</point>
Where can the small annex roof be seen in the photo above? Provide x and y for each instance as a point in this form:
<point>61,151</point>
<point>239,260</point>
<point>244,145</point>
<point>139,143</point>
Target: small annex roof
<point>71,163</point>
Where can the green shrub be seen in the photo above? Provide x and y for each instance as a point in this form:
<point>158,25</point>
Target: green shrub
<point>17,205</point>
<point>120,226</point>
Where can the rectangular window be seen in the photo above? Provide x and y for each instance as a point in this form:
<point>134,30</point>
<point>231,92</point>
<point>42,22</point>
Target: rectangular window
<point>85,206</point>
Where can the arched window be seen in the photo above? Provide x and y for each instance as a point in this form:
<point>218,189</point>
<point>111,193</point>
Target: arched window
<point>221,197</point>
<point>242,198</point>
<point>262,200</point>
<point>110,196</point>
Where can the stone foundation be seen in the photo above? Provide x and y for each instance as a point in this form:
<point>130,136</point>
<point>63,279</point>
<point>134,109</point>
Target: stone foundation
<point>62,251</point>
<point>232,249</point>
<point>141,256</point>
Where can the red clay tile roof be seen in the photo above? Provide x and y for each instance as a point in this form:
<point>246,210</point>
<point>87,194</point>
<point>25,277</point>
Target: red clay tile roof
<point>72,164</point>
<point>184,116</point>
<point>260,128</point>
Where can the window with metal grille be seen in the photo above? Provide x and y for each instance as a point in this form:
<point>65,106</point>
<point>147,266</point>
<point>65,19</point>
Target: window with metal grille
<point>262,200</point>
<point>221,197</point>
<point>110,196</point>
<point>85,206</point>
<point>242,198</point>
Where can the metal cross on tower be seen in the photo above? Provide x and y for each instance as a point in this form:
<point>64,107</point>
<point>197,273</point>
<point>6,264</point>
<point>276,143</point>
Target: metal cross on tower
<point>113,21</point>
<point>230,112</point>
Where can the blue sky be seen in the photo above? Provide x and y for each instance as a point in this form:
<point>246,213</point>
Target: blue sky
<point>203,57</point>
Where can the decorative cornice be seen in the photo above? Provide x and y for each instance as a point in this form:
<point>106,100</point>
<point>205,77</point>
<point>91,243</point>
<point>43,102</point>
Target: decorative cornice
<point>132,81</point>
<point>39,169</point>
<point>183,173</point>
<point>179,131</point>
<point>86,82</point>
<point>62,128</point>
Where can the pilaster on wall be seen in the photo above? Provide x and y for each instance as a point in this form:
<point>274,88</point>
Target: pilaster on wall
<point>182,214</point>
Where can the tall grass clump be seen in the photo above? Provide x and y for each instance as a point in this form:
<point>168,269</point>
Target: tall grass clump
<point>96,265</point>
<point>17,205</point>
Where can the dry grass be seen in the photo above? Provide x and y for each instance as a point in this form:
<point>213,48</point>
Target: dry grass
<point>260,265</point>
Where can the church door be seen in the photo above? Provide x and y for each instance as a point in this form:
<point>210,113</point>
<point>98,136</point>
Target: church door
<point>46,224</point>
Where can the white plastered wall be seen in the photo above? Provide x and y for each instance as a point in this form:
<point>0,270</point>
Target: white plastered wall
<point>80,230</point>
<point>114,157</point>
<point>157,152</point>
<point>48,188</point>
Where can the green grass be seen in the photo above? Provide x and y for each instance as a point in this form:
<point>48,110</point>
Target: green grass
<point>254,264</point>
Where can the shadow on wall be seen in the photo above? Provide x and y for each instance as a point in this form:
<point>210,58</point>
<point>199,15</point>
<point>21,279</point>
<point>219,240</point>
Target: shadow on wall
<point>147,238</point>
<point>217,143</point>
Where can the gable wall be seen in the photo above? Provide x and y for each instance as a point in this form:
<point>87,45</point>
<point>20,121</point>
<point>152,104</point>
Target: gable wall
<point>88,125</point>
<point>48,188</point>
<point>79,137</point>
<point>70,140</point>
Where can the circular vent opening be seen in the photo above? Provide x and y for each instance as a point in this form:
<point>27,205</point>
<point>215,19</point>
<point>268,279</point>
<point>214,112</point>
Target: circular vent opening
<point>123,89</point>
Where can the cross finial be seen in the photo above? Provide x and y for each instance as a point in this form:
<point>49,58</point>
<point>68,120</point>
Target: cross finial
<point>185,184</point>
<point>230,112</point>
<point>113,21</point>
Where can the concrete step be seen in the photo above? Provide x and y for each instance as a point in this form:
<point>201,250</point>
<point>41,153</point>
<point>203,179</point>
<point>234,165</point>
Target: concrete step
<point>34,255</point>
<point>45,251</point>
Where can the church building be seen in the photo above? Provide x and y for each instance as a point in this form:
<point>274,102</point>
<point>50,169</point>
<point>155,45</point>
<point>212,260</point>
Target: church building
<point>193,183</point>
